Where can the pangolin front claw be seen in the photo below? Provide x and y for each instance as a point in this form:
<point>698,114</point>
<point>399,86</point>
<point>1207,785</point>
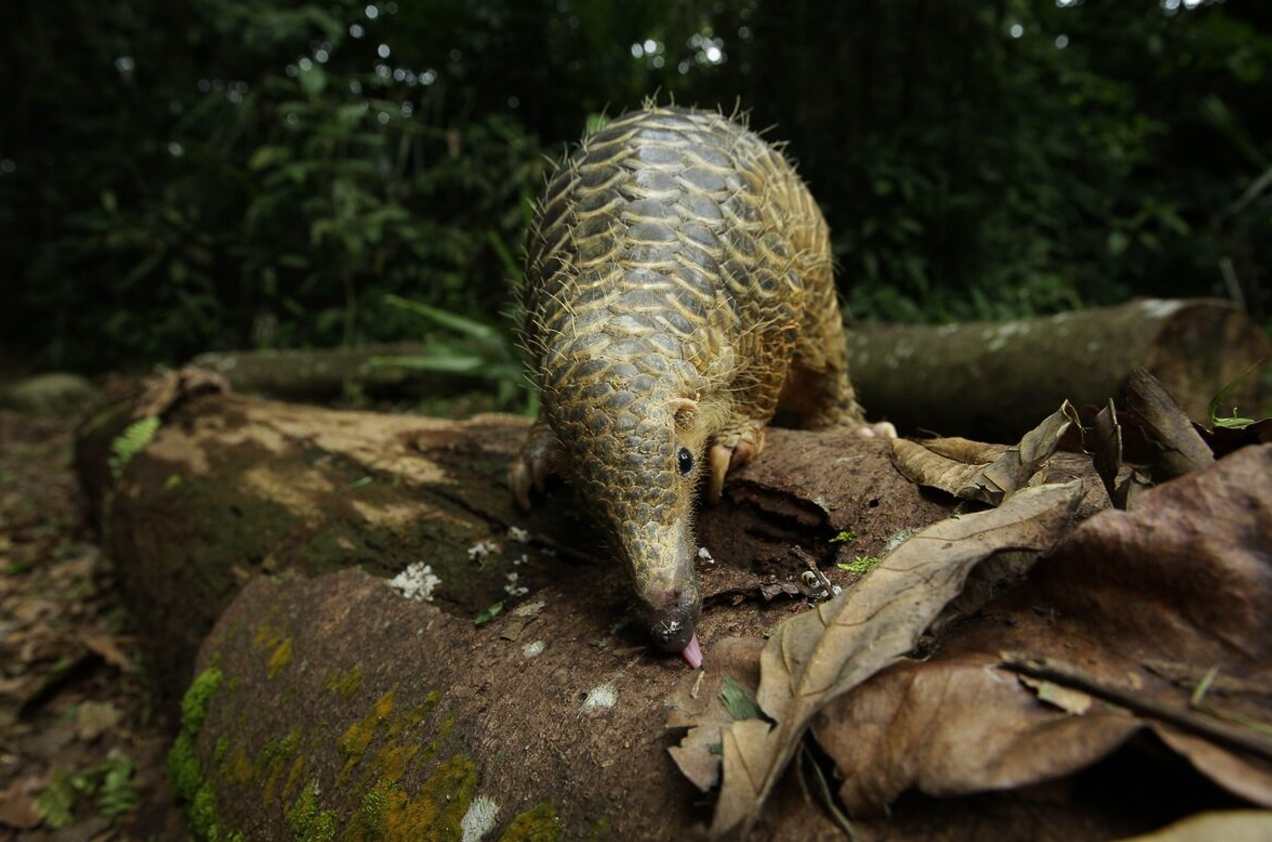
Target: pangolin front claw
<point>726,457</point>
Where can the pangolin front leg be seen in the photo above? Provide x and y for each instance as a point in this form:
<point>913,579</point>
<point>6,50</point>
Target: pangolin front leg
<point>732,449</point>
<point>539,459</point>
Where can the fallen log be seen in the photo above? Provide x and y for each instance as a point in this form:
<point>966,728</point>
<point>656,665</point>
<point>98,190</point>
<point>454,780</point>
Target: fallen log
<point>322,374</point>
<point>325,699</point>
<point>993,381</point>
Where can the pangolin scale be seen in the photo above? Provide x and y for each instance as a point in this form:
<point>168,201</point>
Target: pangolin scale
<point>678,288</point>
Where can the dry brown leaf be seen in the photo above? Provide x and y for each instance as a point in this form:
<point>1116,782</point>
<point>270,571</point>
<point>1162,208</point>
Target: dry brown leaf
<point>1180,450</point>
<point>1123,493</point>
<point>17,804</point>
<point>819,654</point>
<point>1146,602</point>
<point>1065,698</point>
<point>107,647</point>
<point>1228,826</point>
<point>985,472</point>
<point>697,706</point>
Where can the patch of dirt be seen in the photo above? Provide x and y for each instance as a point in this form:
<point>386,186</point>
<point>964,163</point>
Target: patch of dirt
<point>82,743</point>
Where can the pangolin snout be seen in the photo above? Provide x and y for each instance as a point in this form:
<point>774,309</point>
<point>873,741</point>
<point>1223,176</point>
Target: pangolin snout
<point>673,624</point>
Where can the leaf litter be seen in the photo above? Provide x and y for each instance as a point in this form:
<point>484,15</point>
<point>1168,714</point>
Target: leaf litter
<point>1185,582</point>
<point>818,655</point>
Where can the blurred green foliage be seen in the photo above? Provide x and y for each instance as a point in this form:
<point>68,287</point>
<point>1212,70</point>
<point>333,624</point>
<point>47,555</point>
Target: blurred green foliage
<point>199,174</point>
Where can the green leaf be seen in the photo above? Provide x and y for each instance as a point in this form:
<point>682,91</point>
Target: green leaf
<point>595,122</point>
<point>844,537</point>
<point>737,701</point>
<point>1118,242</point>
<point>118,794</point>
<point>487,614</point>
<point>469,327</point>
<point>56,802</point>
<point>313,80</point>
<point>264,156</point>
<point>1232,422</point>
<point>510,264</point>
<point>130,442</point>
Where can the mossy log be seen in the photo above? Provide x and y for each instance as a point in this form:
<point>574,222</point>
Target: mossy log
<point>992,381</point>
<point>329,701</point>
<point>321,373</point>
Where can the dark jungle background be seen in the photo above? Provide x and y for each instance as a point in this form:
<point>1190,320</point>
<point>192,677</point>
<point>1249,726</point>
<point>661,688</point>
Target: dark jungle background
<point>203,174</point>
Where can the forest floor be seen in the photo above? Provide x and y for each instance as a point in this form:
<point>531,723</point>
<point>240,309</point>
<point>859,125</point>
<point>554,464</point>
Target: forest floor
<point>83,743</point>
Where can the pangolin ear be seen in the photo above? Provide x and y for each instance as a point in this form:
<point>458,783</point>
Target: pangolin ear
<point>685,411</point>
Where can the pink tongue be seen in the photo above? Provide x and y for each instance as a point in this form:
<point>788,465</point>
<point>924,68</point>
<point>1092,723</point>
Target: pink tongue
<point>693,653</point>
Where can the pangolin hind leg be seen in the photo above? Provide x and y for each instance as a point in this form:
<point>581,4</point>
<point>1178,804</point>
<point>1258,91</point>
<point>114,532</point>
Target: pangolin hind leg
<point>539,459</point>
<point>818,389</point>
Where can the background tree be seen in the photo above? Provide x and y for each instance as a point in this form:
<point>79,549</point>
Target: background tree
<point>206,174</point>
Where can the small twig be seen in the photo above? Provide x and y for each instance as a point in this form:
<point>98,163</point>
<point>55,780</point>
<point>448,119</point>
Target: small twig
<point>811,563</point>
<point>1237,719</point>
<point>827,798</point>
<point>1208,726</point>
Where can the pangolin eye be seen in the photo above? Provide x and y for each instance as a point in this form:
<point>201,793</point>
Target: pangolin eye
<point>684,461</point>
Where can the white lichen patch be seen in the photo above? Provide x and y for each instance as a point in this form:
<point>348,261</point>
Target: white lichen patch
<point>481,550</point>
<point>512,588</point>
<point>1160,308</point>
<point>534,649</point>
<point>416,582</point>
<point>600,698</point>
<point>516,533</point>
<point>480,819</point>
<point>896,539</point>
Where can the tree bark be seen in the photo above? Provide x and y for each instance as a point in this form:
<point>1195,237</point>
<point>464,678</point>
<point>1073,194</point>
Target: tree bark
<point>993,381</point>
<point>278,524</point>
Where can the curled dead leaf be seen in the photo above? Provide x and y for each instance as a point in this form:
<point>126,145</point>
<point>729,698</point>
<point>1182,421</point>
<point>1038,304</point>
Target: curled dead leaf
<point>986,472</point>
<point>820,654</point>
<point>1145,603</point>
<point>1179,449</point>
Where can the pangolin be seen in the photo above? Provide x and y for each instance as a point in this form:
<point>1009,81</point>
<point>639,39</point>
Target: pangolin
<point>678,289</point>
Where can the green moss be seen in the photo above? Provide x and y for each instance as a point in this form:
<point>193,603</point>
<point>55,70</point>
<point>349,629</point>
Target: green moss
<point>308,822</point>
<point>222,746</point>
<point>194,705</point>
<point>189,783</point>
<point>860,565</point>
<point>371,819</point>
<point>274,759</point>
<point>358,736</point>
<point>346,684</point>
<point>539,824</point>
<point>241,770</point>
<point>408,720</point>
<point>281,658</point>
<point>434,815</point>
<point>201,814</point>
<point>183,768</point>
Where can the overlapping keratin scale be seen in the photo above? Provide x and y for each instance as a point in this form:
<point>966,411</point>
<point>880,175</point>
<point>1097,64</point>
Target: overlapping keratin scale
<point>670,257</point>
<point>679,235</point>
